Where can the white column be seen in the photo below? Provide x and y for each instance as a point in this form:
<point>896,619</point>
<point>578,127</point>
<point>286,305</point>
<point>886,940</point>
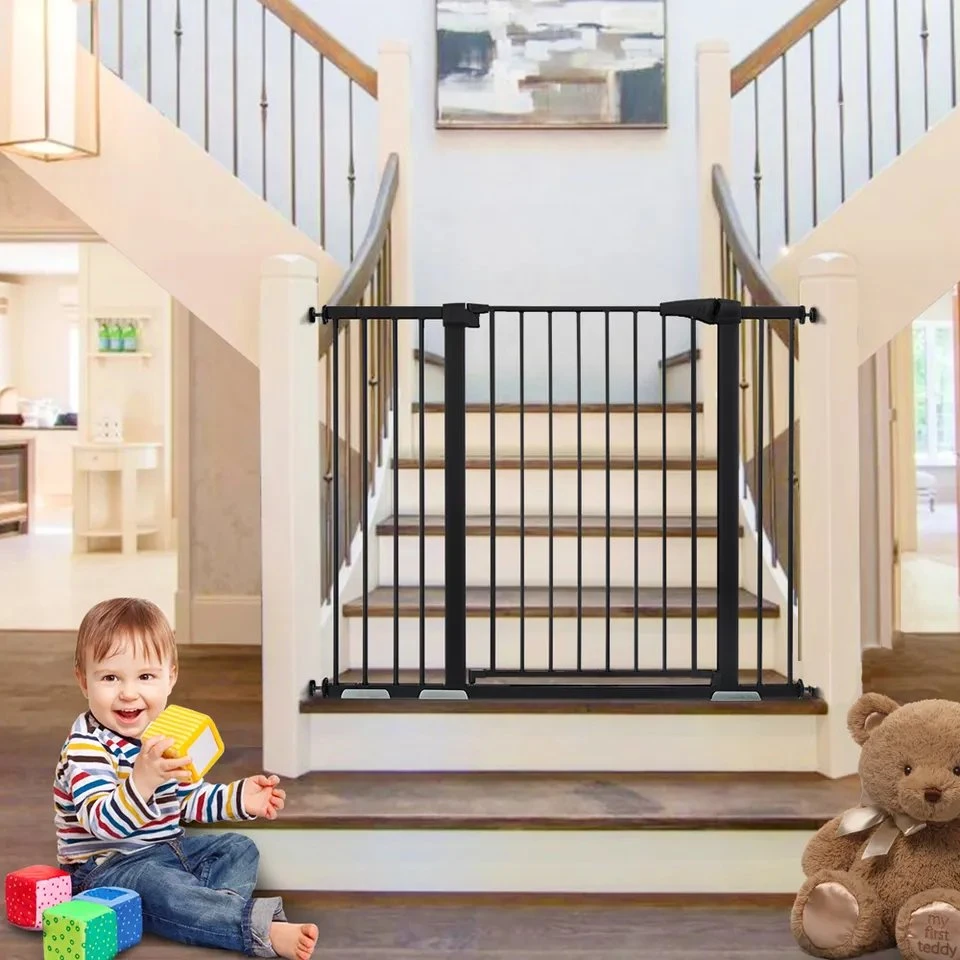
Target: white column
<point>289,505</point>
<point>829,469</point>
<point>395,107</point>
<point>713,147</point>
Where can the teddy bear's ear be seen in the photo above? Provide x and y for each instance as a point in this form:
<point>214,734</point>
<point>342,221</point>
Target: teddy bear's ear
<point>867,714</point>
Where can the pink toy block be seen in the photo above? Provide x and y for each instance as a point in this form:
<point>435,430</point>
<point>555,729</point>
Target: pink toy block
<point>30,890</point>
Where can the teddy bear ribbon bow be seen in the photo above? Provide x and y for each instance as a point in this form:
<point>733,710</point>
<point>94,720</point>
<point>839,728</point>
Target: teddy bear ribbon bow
<point>868,815</point>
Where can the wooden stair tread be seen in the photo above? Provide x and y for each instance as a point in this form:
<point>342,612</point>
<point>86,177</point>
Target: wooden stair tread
<point>542,407</point>
<point>563,801</point>
<point>563,526</point>
<point>565,463</point>
<point>537,602</point>
<point>430,358</point>
<point>678,359</point>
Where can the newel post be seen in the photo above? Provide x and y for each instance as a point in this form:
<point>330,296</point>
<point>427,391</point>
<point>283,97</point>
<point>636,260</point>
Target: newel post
<point>395,106</point>
<point>289,505</point>
<point>713,147</point>
<point>829,497</point>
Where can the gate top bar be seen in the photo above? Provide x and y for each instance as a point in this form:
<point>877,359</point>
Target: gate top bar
<point>721,311</point>
<point>376,313</point>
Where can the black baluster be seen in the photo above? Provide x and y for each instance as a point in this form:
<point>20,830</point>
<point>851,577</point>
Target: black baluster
<point>757,175</point>
<point>264,103</point>
<point>523,558</point>
<point>364,493</point>
<point>606,387</point>
<point>636,500</point>
<point>234,70</point>
<point>579,498</point>
<point>178,45</point>
<point>786,159</point>
<point>896,69</point>
<point>953,54</point>
<point>758,466</point>
<point>336,500</point>
<point>869,41</point>
<point>394,353</point>
<point>924,50</point>
<point>663,485</point>
<point>695,545</point>
<point>149,51</point>
<point>293,128</point>
<point>791,492</point>
<point>550,482</point>
<point>351,171</point>
<point>493,492</point>
<point>420,520</point>
<point>841,106</point>
<point>813,125</point>
<point>323,164</point>
<point>206,73</point>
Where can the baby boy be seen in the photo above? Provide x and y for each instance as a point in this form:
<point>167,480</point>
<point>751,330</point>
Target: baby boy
<point>120,804</point>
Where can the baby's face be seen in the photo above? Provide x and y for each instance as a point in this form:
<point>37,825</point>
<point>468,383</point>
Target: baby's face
<point>128,690</point>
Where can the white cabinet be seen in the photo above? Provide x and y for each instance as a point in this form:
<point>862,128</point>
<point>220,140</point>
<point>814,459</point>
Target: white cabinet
<point>114,508</point>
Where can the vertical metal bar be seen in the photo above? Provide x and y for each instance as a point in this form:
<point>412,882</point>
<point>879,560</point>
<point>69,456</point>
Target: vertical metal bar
<point>953,53</point>
<point>550,486</point>
<point>771,420</point>
<point>523,545</point>
<point>493,490</point>
<point>924,52</point>
<point>394,371</point>
<point>420,519</point>
<point>579,496</point>
<point>178,43</point>
<point>841,107</point>
<point>149,51</point>
<point>758,468</point>
<point>351,169</point>
<point>455,505</point>
<point>813,124</point>
<point>323,170</point>
<point>869,41</point>
<point>364,484</point>
<point>757,175</point>
<point>728,509</point>
<point>786,159</point>
<point>264,104</point>
<point>120,33</point>
<point>293,128</point>
<point>336,500</point>
<point>206,73</point>
<point>606,419</point>
<point>348,398</point>
<point>636,498</point>
<point>234,69</point>
<point>694,542</point>
<point>896,69</point>
<point>791,489</point>
<point>663,487</point>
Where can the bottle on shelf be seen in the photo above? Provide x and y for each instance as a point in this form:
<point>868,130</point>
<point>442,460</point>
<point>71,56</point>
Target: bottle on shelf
<point>116,336</point>
<point>104,335</point>
<point>129,333</point>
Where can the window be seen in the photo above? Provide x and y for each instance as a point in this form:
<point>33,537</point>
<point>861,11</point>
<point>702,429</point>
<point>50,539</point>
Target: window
<point>933,392</point>
<point>73,366</point>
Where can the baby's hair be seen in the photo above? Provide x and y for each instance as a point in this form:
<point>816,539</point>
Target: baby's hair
<point>112,623</point>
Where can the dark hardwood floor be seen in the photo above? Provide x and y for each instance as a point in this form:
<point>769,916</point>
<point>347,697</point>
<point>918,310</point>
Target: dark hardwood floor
<point>40,699</point>
<point>919,667</point>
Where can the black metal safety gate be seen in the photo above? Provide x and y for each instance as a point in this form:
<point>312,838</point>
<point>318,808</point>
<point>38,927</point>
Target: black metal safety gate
<point>725,681</point>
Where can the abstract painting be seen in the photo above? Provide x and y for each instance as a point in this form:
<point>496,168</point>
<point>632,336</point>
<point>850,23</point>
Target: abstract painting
<point>551,63</point>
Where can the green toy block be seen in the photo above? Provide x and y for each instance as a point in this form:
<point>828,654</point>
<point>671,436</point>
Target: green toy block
<point>79,930</point>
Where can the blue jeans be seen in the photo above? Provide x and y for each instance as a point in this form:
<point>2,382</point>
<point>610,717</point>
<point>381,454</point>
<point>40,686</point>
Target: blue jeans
<point>197,890</point>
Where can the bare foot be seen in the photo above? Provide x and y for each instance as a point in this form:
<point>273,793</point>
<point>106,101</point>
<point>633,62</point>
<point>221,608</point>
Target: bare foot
<point>294,941</point>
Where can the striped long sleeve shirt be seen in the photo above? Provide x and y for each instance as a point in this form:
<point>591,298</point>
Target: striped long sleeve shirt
<point>99,810</point>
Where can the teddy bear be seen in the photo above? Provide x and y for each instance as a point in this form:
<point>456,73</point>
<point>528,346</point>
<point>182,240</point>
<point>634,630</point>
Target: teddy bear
<point>887,872</point>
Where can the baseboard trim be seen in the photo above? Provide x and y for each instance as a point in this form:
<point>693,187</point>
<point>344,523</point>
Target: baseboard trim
<point>223,619</point>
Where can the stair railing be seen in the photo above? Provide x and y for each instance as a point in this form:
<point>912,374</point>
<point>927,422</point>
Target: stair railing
<point>833,96</point>
<point>286,124</point>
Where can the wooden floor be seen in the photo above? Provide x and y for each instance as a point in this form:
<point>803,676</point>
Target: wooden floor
<point>919,667</point>
<point>40,700</point>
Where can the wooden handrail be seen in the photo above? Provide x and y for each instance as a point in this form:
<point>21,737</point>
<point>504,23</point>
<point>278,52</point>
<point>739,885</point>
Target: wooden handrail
<point>324,43</point>
<point>751,66</point>
<point>763,290</point>
<point>360,272</point>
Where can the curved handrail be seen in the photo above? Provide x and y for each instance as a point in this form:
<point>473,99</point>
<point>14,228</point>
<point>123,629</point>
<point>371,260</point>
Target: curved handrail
<point>752,65</point>
<point>305,27</point>
<point>358,275</point>
<point>763,290</point>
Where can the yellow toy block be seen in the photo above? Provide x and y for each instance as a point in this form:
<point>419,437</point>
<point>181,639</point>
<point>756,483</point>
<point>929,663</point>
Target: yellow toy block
<point>194,734</point>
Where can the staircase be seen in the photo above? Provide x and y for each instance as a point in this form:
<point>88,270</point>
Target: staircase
<point>592,565</point>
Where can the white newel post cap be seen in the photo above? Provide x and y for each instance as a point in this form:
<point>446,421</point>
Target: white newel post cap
<point>289,266</point>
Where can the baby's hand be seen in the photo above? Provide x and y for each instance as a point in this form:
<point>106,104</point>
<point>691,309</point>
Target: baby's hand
<point>151,768</point>
<point>261,796</point>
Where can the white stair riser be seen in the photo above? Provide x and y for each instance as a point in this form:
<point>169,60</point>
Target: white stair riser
<point>433,382</point>
<point>627,742</point>
<point>536,564</point>
<point>536,435</point>
<point>536,486</point>
<point>536,642</point>
<point>678,383</point>
<point>530,861</point>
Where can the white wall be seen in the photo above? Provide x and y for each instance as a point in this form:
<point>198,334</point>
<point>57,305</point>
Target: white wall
<point>38,328</point>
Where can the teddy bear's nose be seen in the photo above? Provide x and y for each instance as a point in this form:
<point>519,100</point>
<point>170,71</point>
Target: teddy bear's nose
<point>932,794</point>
